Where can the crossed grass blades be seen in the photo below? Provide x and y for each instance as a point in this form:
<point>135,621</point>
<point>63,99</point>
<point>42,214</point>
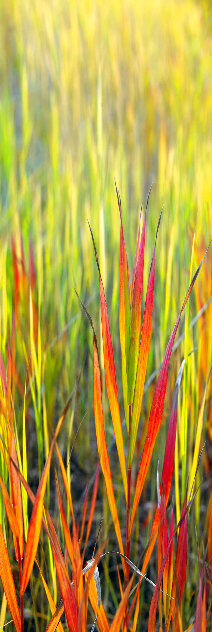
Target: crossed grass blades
<point>135,338</point>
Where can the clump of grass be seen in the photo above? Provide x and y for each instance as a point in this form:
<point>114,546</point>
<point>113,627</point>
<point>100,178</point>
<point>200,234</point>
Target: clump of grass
<point>134,455</point>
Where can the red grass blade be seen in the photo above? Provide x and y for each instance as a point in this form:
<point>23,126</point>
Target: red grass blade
<point>36,517</point>
<point>16,279</point>
<point>3,376</point>
<point>180,564</point>
<point>168,465</point>
<point>136,252</point>
<point>157,407</point>
<point>110,376</point>
<point>135,326</point>
<point>142,360</point>
<point>124,311</point>
<point>16,498</point>
<point>168,555</point>
<point>8,583</point>
<point>67,592</point>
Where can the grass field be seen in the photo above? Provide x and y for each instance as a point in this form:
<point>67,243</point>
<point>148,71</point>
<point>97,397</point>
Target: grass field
<point>92,93</point>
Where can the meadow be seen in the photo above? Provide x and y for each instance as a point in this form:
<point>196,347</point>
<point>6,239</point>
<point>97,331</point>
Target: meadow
<point>105,414</point>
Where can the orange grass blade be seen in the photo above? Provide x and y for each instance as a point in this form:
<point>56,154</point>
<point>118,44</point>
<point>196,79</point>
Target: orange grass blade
<point>55,620</point>
<point>36,518</point>
<point>56,611</point>
<point>93,590</point>
<point>68,540</point>
<point>8,583</point>
<point>157,407</point>
<point>102,445</point>
<point>135,325</point>
<point>120,613</point>
<point>9,510</point>
<point>110,376</point>
<point>198,618</point>
<point>66,485</point>
<point>52,534</point>
<point>100,435</point>
<point>93,504</point>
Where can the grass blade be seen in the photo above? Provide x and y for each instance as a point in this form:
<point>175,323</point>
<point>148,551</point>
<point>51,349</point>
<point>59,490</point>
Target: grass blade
<point>101,443</point>
<point>36,517</point>
<point>124,311</point>
<point>157,406</point>
<point>110,376</point>
<point>8,583</point>
<point>135,324</point>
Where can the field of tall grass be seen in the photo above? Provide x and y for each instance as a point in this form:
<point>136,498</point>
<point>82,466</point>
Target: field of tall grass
<point>97,101</point>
